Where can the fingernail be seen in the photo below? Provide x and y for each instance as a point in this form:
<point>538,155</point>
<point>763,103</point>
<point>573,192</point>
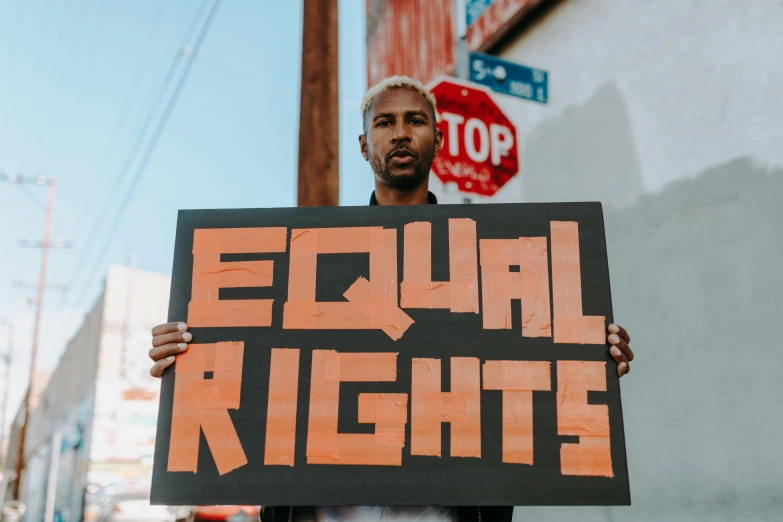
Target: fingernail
<point>182,327</point>
<point>187,337</point>
<point>170,358</point>
<point>614,339</point>
<point>621,368</point>
<point>614,328</point>
<point>615,351</point>
<point>183,347</point>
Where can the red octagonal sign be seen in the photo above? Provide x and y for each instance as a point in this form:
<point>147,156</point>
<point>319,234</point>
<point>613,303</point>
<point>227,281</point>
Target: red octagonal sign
<point>479,141</point>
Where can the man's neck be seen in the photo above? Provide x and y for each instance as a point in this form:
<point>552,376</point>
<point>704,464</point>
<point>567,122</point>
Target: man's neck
<point>386,195</point>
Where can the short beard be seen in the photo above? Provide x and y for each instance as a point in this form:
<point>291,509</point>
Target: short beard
<point>399,182</point>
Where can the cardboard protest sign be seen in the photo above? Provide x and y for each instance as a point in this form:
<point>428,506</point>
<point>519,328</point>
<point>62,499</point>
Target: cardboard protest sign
<point>403,355</point>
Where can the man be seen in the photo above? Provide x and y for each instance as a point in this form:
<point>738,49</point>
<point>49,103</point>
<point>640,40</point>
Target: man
<point>400,141</point>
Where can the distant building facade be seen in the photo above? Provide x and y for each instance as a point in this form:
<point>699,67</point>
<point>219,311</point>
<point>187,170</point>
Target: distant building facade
<point>95,422</point>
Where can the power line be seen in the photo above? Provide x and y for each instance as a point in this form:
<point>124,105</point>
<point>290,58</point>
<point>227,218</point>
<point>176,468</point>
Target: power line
<point>103,216</point>
<point>96,35</point>
<point>174,43</point>
<point>12,49</point>
<point>135,82</point>
<point>132,154</point>
<point>239,75</point>
<point>100,218</point>
<point>150,148</point>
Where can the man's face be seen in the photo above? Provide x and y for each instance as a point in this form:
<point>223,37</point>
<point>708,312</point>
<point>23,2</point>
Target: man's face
<point>400,139</point>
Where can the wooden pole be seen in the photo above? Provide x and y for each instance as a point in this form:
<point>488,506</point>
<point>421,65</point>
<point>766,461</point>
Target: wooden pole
<point>20,462</point>
<point>319,108</point>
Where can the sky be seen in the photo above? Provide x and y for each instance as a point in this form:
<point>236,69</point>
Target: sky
<point>80,79</point>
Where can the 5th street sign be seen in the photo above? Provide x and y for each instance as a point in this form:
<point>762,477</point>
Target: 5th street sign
<point>509,78</point>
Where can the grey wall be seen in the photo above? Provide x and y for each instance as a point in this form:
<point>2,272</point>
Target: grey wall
<point>670,113</point>
<point>695,273</point>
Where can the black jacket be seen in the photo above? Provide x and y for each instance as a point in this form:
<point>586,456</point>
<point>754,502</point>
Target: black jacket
<point>465,514</point>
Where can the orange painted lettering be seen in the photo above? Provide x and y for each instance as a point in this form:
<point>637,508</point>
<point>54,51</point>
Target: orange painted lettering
<point>570,325</point>
<point>202,404</point>
<point>592,455</point>
<point>371,304</point>
<point>460,294</point>
<point>281,407</point>
<point>531,284</point>
<point>389,411</point>
<point>210,275</point>
<point>461,407</point>
<point>517,380</point>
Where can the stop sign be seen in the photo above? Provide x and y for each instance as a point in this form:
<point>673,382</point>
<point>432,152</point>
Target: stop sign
<point>479,141</point>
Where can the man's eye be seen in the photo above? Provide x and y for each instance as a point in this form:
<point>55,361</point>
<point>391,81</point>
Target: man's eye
<point>417,121</point>
<point>382,123</point>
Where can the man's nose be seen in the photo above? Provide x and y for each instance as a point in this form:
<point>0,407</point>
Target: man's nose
<point>401,133</point>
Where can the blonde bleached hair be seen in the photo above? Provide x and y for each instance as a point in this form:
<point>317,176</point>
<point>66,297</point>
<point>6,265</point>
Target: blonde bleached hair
<point>396,82</point>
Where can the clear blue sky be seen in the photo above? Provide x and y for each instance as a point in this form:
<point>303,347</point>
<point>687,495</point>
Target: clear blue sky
<point>77,78</point>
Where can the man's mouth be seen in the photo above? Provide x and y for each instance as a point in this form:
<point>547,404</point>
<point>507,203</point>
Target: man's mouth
<point>402,157</point>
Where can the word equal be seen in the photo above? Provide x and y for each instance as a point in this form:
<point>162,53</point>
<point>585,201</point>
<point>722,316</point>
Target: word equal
<point>374,303</point>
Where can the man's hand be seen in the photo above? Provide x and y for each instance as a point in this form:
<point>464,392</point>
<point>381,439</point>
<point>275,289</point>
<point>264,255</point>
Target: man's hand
<point>168,340</point>
<point>618,338</point>
<point>171,339</point>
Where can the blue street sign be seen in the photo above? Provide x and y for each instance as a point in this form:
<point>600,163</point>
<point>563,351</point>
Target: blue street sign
<point>474,9</point>
<point>509,78</point>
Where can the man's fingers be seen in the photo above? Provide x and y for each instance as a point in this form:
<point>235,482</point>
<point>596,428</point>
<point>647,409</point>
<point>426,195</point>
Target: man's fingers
<point>169,328</point>
<point>158,368</point>
<point>617,355</point>
<point>620,350</point>
<point>623,366</point>
<point>615,340</point>
<point>169,338</point>
<point>619,330</point>
<point>158,353</point>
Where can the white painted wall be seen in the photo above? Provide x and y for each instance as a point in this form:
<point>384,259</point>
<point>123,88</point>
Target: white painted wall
<point>135,301</point>
<point>700,81</point>
<point>87,389</point>
<point>671,114</point>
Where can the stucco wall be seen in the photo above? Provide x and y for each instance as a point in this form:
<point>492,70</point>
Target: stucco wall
<point>670,113</point>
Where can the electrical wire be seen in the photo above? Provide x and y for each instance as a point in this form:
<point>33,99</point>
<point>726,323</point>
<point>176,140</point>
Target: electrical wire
<point>63,325</point>
<point>132,154</point>
<point>151,147</point>
<point>101,23</point>
<point>100,218</point>
<point>135,83</point>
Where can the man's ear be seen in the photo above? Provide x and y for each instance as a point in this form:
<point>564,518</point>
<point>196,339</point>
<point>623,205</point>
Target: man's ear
<point>363,146</point>
<point>438,140</point>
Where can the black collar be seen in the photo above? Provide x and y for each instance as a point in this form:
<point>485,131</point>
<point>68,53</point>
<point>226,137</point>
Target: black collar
<point>431,199</point>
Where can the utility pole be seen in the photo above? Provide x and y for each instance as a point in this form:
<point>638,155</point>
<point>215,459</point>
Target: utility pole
<point>6,383</point>
<point>462,58</point>
<point>319,107</point>
<point>45,244</point>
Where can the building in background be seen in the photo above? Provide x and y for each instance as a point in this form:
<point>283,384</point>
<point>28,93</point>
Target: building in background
<point>95,422</point>
<point>670,114</point>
